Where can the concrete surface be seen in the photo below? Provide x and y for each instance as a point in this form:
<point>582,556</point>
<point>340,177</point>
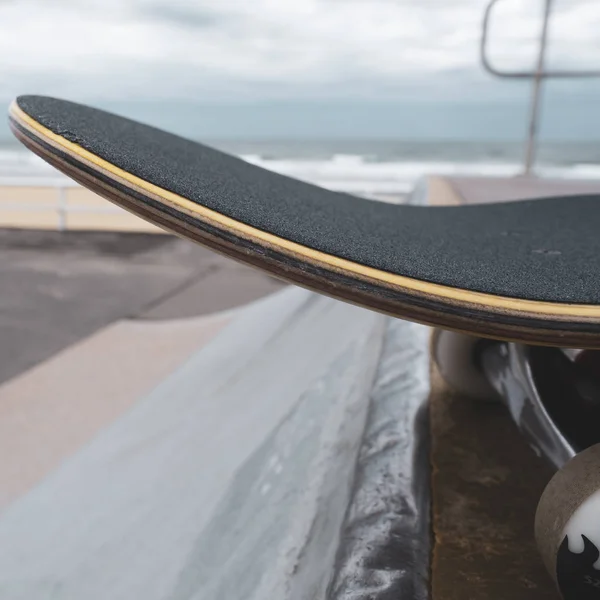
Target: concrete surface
<point>476,190</point>
<point>385,544</point>
<point>56,288</point>
<point>230,479</point>
<point>486,483</point>
<point>48,412</point>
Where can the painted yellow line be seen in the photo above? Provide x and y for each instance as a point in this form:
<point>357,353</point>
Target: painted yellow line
<point>400,282</point>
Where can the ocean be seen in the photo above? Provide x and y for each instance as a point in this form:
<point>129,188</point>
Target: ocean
<point>363,167</point>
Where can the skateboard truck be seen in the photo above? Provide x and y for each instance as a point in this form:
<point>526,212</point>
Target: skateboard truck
<point>533,383</point>
<point>509,369</point>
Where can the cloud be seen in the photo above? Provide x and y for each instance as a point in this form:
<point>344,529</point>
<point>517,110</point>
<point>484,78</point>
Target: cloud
<point>180,16</point>
<point>216,49</point>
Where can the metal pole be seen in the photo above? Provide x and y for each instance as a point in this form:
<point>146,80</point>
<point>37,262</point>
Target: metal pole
<point>537,93</point>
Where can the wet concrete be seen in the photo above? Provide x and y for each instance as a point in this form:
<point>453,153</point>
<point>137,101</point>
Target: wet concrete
<point>56,288</point>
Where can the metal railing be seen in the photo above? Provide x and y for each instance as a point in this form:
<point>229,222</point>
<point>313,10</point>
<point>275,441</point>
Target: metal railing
<point>538,75</point>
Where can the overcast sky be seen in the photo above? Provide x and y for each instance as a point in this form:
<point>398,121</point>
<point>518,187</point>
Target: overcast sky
<point>259,51</point>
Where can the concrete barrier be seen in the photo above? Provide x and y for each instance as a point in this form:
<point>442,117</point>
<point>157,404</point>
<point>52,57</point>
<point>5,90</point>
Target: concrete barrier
<point>235,478</point>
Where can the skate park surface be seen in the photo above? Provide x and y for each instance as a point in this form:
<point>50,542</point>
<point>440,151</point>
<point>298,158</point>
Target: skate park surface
<point>202,423</point>
<point>225,436</point>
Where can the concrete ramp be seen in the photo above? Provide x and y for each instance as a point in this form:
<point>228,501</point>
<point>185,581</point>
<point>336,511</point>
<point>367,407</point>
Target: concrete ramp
<point>50,411</point>
<point>230,480</point>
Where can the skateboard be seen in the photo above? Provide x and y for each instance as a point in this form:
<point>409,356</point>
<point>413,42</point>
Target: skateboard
<point>512,288</point>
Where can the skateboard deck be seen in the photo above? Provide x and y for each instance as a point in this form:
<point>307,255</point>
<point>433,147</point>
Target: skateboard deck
<point>525,271</point>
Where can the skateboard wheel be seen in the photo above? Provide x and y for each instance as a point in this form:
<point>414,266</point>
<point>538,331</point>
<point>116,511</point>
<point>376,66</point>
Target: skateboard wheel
<point>455,355</point>
<point>567,527</point>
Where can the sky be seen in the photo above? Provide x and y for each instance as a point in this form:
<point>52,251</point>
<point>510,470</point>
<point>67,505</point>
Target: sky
<point>295,66</point>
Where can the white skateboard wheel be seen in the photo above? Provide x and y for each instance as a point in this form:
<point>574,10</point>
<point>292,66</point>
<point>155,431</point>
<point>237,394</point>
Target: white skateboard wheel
<point>567,527</point>
<point>455,356</point>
